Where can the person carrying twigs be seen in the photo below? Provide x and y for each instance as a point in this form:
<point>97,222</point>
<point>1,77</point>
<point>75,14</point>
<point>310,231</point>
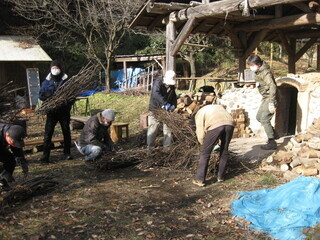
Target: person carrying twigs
<point>163,96</point>
<point>54,80</point>
<point>213,122</point>
<point>95,138</point>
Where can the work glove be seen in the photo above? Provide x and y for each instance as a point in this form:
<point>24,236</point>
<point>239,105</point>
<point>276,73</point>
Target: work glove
<point>166,107</point>
<point>272,108</point>
<point>21,161</point>
<point>172,108</point>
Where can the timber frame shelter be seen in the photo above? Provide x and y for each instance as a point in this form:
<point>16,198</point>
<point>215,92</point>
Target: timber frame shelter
<point>245,22</point>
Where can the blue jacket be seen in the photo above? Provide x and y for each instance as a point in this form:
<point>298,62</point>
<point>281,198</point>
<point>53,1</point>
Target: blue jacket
<point>48,87</point>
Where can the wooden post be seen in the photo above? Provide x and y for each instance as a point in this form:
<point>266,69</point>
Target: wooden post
<point>125,74</point>
<point>291,57</point>
<point>271,54</point>
<point>152,76</point>
<point>170,37</point>
<point>148,77</point>
<point>242,67</point>
<point>318,57</point>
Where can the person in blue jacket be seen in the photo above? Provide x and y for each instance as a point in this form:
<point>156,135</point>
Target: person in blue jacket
<point>54,80</point>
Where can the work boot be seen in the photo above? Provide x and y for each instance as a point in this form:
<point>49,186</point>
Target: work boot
<point>271,145</point>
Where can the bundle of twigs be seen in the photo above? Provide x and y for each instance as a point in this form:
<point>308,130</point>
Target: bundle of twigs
<point>71,89</point>
<point>8,109</point>
<point>121,159</point>
<point>138,91</point>
<point>184,151</point>
<point>25,190</point>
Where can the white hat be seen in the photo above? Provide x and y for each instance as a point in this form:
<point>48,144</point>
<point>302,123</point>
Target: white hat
<point>169,78</point>
<point>108,114</point>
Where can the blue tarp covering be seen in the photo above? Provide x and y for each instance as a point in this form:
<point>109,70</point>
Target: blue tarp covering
<point>91,92</point>
<point>282,212</point>
<point>132,76</point>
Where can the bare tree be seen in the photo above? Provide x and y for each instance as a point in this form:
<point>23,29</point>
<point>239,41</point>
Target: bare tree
<point>188,53</point>
<point>99,24</point>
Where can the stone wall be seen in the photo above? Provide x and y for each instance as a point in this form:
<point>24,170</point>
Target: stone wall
<point>247,98</point>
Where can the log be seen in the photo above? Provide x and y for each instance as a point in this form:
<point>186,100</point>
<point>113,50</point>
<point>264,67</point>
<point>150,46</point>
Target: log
<point>209,99</point>
<point>310,172</point>
<point>221,8</point>
<point>192,106</point>
<point>284,167</point>
<point>181,105</point>
<point>295,162</point>
<point>299,169</point>
<point>187,100</point>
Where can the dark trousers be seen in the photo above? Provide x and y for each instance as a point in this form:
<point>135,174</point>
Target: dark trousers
<point>224,133</point>
<point>8,160</point>
<point>51,122</point>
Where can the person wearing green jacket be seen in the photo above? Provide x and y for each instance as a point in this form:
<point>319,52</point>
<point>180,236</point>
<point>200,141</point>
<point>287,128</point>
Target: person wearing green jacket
<point>268,89</point>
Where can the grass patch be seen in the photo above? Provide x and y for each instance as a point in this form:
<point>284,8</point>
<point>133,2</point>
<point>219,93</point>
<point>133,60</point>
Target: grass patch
<point>127,108</point>
<point>268,179</point>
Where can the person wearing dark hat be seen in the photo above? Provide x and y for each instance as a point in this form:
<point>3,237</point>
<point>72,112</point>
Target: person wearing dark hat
<point>54,80</point>
<point>11,145</point>
<point>95,138</point>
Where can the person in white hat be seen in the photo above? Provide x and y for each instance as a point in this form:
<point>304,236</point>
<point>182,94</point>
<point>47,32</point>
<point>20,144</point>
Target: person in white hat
<point>95,138</point>
<point>163,96</point>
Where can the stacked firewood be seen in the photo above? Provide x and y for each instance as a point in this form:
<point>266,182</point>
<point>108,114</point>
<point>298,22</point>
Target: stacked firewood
<point>191,102</point>
<point>241,130</point>
<point>300,156</point>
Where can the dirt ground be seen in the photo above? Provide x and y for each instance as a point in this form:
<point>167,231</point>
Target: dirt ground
<point>129,203</point>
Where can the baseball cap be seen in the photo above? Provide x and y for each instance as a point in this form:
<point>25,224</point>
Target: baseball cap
<point>17,133</point>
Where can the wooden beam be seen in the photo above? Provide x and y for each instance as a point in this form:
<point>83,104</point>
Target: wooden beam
<point>285,43</point>
<point>200,25</point>
<point>221,7</point>
<point>284,22</point>
<point>302,6</point>
<point>212,47</point>
<point>303,34</point>
<point>164,8</point>
<point>304,49</point>
<point>170,38</point>
<point>185,32</point>
<point>257,39</point>
<point>235,40</point>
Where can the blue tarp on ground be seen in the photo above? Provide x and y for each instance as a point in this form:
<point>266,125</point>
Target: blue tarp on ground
<point>282,212</point>
<point>91,92</point>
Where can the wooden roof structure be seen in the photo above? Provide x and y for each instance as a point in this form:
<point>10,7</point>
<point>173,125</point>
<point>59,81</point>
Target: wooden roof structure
<point>245,22</point>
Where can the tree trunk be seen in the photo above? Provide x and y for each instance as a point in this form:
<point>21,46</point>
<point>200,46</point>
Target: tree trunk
<point>192,63</point>
<point>108,71</point>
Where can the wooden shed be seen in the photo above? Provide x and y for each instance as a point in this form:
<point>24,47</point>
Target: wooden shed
<point>245,22</point>
<point>19,56</point>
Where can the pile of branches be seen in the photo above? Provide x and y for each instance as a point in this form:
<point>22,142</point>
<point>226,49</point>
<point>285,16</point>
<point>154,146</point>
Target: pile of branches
<point>183,153</point>
<point>8,109</point>
<point>121,159</point>
<point>68,92</point>
<point>138,91</point>
<point>28,189</point>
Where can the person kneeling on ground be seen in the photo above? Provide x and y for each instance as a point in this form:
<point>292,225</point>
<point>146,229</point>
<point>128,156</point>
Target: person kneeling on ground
<point>213,122</point>
<point>11,144</point>
<point>95,138</point>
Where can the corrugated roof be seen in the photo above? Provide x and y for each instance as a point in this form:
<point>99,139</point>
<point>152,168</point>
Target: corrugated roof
<point>21,48</point>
